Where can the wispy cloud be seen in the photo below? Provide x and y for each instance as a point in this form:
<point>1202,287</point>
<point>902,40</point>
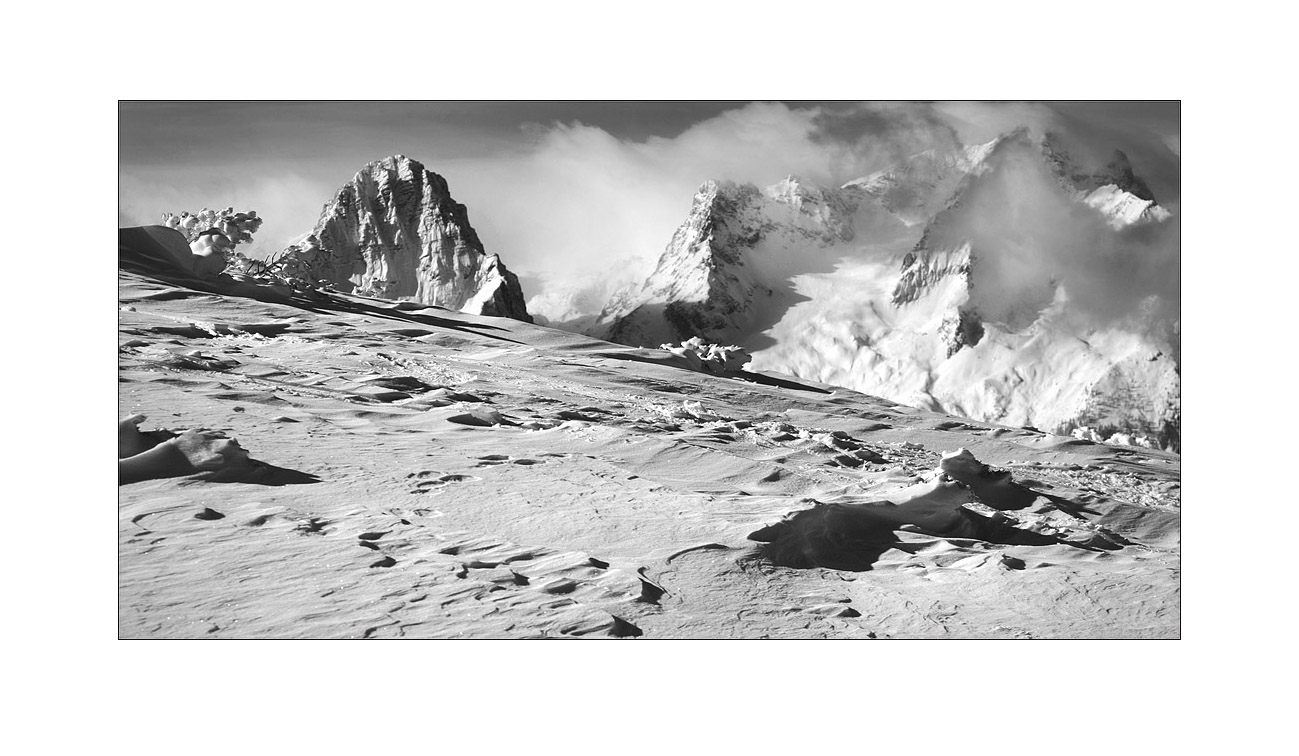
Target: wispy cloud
<point>581,199</point>
<point>565,198</point>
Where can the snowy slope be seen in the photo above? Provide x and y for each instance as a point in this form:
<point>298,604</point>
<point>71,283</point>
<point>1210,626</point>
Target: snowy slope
<point>416,472</point>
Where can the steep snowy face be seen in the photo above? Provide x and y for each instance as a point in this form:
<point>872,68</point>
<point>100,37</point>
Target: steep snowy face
<point>394,232</point>
<point>725,261</point>
<point>702,278</point>
<point>937,283</point>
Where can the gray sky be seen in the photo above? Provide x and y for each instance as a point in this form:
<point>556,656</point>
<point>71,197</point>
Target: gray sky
<point>566,187</point>
<point>286,159</point>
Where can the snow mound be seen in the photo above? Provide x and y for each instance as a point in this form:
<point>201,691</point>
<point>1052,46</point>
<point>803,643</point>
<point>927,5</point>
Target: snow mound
<point>964,499</point>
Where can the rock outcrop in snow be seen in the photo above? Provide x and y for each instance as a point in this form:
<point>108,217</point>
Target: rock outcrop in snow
<point>394,232</point>
<point>894,285</point>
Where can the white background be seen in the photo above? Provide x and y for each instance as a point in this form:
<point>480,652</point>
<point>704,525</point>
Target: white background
<point>76,688</point>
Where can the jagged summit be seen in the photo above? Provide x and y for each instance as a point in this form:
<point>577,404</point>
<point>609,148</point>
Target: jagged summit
<point>712,281</point>
<point>1113,189</point>
<point>1118,171</point>
<point>395,232</point>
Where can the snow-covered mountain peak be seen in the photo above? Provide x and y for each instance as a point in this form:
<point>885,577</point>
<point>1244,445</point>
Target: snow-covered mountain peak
<point>1113,189</point>
<point>910,283</point>
<point>395,232</point>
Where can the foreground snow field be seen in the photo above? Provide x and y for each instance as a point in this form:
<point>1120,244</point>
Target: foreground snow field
<point>419,472</point>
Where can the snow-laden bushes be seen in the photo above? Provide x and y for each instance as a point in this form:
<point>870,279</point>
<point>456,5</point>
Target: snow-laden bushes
<point>291,266</point>
<point>212,236</point>
<point>237,227</point>
<point>710,358</point>
<point>688,410</point>
<point>1087,433</point>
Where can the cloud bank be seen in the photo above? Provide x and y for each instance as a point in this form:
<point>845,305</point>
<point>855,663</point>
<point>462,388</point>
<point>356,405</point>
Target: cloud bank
<point>580,201</point>
<point>1029,235</point>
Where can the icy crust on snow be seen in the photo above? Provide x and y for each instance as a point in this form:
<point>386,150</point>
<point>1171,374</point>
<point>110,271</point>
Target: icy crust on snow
<point>394,232</point>
<point>845,286</point>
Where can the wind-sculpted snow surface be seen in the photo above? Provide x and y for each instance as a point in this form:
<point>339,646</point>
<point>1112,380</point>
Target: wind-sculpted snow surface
<point>963,499</point>
<point>314,464</point>
<point>394,232</point>
<point>1000,282</point>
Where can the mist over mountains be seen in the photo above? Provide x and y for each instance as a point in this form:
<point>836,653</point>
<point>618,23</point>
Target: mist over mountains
<point>1004,281</point>
<point>533,177</point>
<point>1015,263</point>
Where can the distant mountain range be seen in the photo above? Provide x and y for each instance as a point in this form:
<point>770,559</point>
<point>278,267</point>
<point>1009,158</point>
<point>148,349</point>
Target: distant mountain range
<point>891,285</point>
<point>922,283</point>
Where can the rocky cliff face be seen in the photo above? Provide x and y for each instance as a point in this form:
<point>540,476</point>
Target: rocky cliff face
<point>894,285</point>
<point>394,232</point>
